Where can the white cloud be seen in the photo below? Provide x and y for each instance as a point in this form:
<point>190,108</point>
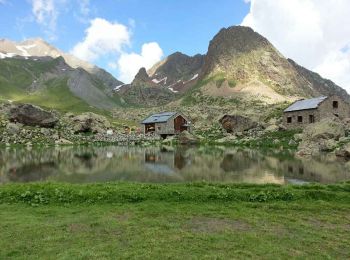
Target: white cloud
<point>107,41</point>
<point>314,33</point>
<point>46,13</point>
<point>102,38</point>
<point>130,63</point>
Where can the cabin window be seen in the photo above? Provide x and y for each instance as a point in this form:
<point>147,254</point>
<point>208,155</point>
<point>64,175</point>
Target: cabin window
<point>335,104</point>
<point>311,119</point>
<point>300,119</point>
<point>289,119</point>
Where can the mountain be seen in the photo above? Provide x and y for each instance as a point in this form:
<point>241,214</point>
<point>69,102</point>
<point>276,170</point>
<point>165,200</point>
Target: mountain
<point>324,86</point>
<point>39,48</point>
<point>51,82</point>
<point>177,72</point>
<point>241,65</point>
<point>34,71</point>
<point>143,91</point>
<point>241,71</point>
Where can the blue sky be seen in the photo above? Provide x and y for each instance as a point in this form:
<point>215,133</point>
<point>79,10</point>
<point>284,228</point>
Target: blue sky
<point>124,35</point>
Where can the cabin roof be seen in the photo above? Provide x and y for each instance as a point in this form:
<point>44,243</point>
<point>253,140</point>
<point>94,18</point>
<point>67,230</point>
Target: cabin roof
<point>158,118</point>
<point>305,104</point>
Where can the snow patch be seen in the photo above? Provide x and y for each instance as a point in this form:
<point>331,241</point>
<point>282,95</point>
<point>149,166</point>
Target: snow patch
<point>24,49</point>
<point>157,81</point>
<point>7,55</point>
<point>117,88</point>
<point>172,90</point>
<point>194,77</point>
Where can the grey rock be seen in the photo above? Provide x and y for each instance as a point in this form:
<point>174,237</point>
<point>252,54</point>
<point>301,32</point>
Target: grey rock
<point>237,123</point>
<point>32,115</point>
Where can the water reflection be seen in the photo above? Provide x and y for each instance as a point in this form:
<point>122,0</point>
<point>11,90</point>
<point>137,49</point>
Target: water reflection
<point>154,164</point>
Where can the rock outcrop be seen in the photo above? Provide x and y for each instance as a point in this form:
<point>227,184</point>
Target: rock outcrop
<point>89,122</point>
<point>343,152</point>
<point>143,91</point>
<point>31,115</point>
<point>178,71</point>
<point>321,136</point>
<point>237,123</point>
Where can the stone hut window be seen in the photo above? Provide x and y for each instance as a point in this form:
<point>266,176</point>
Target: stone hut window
<point>336,115</point>
<point>335,104</point>
<point>159,128</point>
<point>311,119</point>
<point>289,120</point>
<point>300,119</point>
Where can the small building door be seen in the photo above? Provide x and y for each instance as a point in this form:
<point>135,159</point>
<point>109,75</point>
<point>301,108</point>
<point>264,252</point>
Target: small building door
<point>180,124</point>
<point>150,128</point>
<point>311,119</point>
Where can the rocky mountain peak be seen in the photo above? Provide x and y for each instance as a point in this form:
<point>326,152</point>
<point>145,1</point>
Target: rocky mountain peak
<point>141,77</point>
<point>233,42</point>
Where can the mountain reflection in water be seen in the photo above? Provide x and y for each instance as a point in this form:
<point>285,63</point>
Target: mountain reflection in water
<point>154,164</point>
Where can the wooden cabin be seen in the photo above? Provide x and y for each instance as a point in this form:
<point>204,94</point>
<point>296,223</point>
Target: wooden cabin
<point>167,123</point>
<point>307,111</point>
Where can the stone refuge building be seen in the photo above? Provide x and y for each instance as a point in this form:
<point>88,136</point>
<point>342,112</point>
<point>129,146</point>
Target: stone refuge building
<point>307,111</point>
<point>166,123</point>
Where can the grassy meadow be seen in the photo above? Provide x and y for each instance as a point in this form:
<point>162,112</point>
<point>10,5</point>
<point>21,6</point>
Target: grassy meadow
<point>174,221</point>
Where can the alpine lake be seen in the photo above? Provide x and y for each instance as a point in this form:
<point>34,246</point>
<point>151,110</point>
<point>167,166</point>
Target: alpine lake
<point>88,164</point>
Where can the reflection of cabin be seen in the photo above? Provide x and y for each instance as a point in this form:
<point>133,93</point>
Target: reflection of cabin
<point>164,161</point>
<point>308,111</point>
<point>167,123</point>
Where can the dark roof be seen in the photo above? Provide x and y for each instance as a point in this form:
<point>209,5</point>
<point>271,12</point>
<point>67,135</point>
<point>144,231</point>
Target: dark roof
<point>158,118</point>
<point>305,104</point>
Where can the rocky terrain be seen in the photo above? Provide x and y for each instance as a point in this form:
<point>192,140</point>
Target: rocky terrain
<point>177,72</point>
<point>143,91</point>
<point>29,125</point>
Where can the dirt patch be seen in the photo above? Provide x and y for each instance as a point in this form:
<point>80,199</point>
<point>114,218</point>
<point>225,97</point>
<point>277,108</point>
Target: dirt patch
<point>327,225</point>
<point>77,228</point>
<point>215,225</point>
<point>123,217</point>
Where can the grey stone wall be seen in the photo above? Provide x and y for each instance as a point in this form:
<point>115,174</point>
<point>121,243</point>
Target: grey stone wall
<point>305,114</point>
<point>324,110</point>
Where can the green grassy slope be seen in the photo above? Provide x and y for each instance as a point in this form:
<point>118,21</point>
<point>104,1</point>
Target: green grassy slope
<point>52,90</point>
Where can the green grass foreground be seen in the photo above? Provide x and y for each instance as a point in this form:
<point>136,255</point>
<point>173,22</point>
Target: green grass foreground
<point>174,221</point>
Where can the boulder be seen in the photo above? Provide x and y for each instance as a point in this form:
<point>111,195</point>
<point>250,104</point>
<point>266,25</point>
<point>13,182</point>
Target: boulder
<point>237,123</point>
<point>90,122</point>
<point>308,149</point>
<point>344,151</point>
<point>271,128</point>
<point>13,128</point>
<point>327,128</point>
<point>31,115</point>
<point>187,138</point>
<point>321,136</point>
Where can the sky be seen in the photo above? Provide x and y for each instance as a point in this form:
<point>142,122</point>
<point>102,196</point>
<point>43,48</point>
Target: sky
<point>122,36</point>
